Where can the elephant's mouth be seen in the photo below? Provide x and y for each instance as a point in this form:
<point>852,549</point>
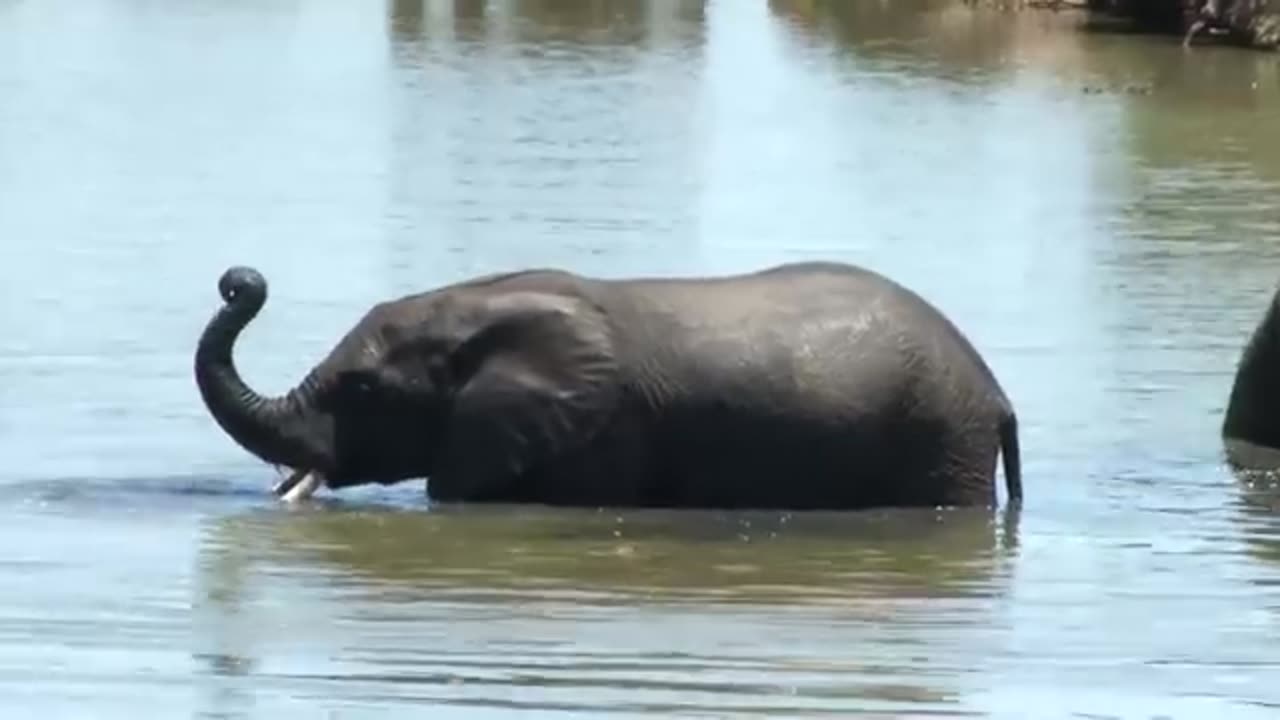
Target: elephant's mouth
<point>299,485</point>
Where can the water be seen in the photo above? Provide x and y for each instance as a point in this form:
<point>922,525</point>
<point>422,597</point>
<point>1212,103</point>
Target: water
<point>1098,212</point>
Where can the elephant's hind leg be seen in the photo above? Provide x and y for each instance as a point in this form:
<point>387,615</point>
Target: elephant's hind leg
<point>944,466</point>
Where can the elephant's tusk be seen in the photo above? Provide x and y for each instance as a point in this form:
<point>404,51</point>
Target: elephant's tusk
<point>286,483</point>
<point>300,485</point>
<point>304,488</point>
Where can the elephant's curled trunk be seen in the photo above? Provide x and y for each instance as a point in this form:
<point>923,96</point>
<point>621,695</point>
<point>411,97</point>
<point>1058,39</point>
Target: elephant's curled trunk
<point>278,429</point>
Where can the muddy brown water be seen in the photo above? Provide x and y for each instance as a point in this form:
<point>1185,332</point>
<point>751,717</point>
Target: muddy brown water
<point>1098,211</point>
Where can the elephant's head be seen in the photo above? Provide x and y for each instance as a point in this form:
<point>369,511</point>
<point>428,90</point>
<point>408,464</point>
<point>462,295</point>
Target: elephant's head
<point>468,385</point>
<point>1252,420</point>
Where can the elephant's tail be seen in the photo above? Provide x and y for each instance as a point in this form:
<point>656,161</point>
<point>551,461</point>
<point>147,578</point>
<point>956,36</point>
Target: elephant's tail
<point>1012,457</point>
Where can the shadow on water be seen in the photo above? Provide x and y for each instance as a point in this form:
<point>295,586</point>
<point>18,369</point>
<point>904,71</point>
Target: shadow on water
<point>639,555</point>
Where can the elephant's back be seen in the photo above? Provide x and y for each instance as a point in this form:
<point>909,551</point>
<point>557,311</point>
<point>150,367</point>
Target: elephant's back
<point>823,291</point>
<point>881,312</point>
<point>835,377</point>
<point>818,339</point>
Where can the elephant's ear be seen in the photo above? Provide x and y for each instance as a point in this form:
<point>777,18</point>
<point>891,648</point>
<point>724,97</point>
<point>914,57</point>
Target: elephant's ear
<point>536,377</point>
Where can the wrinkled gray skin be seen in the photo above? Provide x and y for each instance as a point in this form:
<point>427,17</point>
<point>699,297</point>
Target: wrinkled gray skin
<point>1251,424</point>
<point>803,386</point>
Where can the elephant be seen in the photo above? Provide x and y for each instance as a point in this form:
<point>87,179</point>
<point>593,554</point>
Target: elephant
<point>802,386</point>
<point>1251,425</point>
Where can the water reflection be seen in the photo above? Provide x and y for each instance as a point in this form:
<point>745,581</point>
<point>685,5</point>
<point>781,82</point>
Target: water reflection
<point>520,134</point>
<point>638,612</point>
<point>546,24</point>
<point>945,38</point>
<point>406,18</point>
<point>1259,508</point>
<point>950,39</point>
<point>746,558</point>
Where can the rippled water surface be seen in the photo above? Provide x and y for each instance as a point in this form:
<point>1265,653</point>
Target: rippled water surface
<point>1099,212</point>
